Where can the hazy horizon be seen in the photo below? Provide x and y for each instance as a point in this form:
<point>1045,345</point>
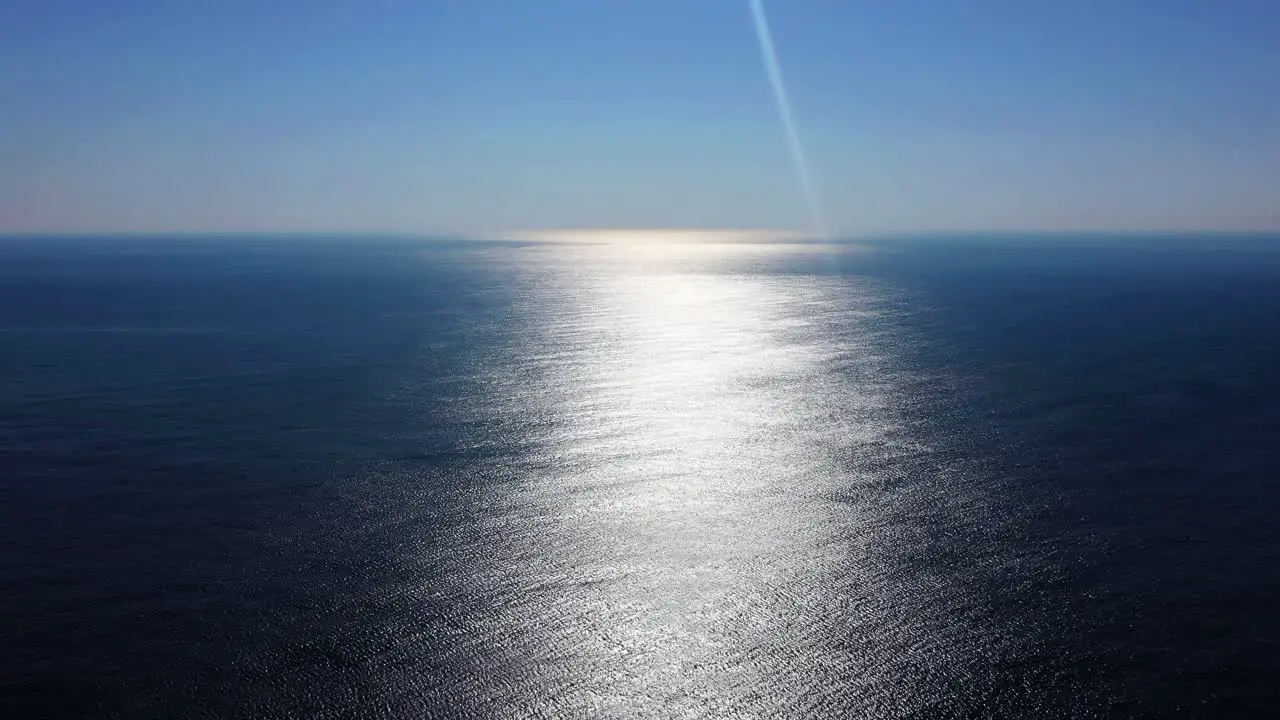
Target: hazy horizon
<point>662,234</point>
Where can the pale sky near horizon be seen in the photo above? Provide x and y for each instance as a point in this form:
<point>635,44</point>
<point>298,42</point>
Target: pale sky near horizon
<point>475,116</point>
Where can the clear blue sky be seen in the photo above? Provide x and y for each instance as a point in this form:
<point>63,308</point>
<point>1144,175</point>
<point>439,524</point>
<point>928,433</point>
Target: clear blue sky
<point>481,115</point>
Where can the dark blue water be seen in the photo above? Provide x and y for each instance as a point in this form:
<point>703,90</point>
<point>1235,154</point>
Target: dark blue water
<point>354,477</point>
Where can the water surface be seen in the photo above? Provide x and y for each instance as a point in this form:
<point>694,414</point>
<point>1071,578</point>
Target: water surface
<point>335,477</point>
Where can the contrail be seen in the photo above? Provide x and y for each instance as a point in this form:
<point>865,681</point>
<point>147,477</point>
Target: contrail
<point>774,70</point>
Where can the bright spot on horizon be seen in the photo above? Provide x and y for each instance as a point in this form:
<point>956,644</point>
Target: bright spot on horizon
<point>634,236</point>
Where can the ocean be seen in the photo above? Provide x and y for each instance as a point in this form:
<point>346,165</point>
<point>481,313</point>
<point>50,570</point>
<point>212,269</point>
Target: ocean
<point>333,477</point>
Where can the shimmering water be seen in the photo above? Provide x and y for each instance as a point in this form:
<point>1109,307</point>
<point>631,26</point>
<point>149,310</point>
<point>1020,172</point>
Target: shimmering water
<point>977,477</point>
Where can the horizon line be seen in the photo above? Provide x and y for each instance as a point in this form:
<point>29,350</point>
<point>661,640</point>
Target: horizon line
<point>604,234</point>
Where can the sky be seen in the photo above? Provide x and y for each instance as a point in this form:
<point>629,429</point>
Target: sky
<point>482,116</point>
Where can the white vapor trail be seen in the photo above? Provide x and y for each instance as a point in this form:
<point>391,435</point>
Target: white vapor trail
<point>774,71</point>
